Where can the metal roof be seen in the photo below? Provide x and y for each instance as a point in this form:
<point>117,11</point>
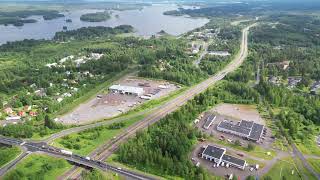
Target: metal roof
<point>234,160</point>
<point>236,128</point>
<point>128,89</point>
<point>256,131</point>
<point>214,151</point>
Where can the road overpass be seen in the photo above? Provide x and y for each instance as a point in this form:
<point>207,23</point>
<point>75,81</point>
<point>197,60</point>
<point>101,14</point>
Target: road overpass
<point>57,152</point>
<point>98,156</point>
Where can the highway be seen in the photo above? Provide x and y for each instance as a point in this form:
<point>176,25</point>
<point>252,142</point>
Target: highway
<point>99,155</point>
<point>110,147</point>
<point>59,153</point>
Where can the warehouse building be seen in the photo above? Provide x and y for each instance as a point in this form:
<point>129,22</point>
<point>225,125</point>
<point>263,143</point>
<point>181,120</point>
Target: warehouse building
<point>218,155</point>
<point>209,121</point>
<point>129,90</point>
<point>246,129</point>
<point>213,153</point>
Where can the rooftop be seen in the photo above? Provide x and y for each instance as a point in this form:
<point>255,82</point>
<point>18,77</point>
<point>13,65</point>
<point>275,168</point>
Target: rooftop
<point>246,124</point>
<point>130,89</point>
<point>232,127</point>
<point>214,151</point>
<point>209,121</point>
<point>256,132</point>
<point>233,160</point>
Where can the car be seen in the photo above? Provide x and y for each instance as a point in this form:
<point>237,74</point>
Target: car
<point>198,164</point>
<point>239,154</point>
<point>193,159</point>
<point>227,165</point>
<point>251,169</point>
<point>222,164</point>
<point>214,165</point>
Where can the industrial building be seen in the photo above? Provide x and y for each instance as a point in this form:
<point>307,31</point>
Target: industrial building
<point>209,121</point>
<point>213,153</point>
<point>129,90</point>
<point>218,155</point>
<point>245,129</point>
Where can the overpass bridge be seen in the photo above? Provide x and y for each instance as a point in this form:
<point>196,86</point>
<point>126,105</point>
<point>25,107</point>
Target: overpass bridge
<point>60,153</point>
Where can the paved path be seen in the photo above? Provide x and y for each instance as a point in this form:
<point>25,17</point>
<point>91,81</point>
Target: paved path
<point>203,54</point>
<point>13,163</point>
<point>298,154</point>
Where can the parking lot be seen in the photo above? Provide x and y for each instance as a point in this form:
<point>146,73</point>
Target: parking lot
<point>110,104</point>
<point>266,140</point>
<point>222,170</point>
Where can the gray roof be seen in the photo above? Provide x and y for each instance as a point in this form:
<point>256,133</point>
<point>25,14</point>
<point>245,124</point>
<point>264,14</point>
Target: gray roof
<point>209,120</point>
<point>233,127</point>
<point>233,160</point>
<point>246,124</point>
<point>256,131</point>
<point>214,151</point>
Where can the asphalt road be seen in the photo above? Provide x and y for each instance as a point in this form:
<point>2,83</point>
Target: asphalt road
<point>109,148</point>
<point>105,151</point>
<point>298,154</point>
<point>43,148</point>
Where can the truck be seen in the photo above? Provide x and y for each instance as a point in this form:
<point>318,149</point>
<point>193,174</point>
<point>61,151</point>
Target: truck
<point>66,152</point>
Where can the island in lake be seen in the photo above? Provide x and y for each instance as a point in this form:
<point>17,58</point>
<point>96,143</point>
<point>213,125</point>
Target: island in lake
<point>95,17</point>
<point>18,18</point>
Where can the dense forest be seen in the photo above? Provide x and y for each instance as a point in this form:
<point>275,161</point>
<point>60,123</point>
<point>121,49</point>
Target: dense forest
<point>163,149</point>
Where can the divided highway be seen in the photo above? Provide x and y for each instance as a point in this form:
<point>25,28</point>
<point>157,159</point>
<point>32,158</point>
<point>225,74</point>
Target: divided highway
<point>100,154</point>
<point>109,148</point>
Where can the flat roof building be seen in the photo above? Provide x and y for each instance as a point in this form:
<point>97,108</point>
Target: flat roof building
<point>218,155</point>
<point>130,90</point>
<point>256,132</point>
<point>247,129</point>
<point>233,161</point>
<point>209,121</point>
<point>213,153</point>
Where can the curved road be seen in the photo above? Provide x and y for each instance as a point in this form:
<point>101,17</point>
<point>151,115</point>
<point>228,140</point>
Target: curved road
<point>169,107</point>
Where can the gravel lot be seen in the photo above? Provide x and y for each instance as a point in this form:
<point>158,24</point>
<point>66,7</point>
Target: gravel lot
<point>109,105</point>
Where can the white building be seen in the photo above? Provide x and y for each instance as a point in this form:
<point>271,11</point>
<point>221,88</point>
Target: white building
<point>130,90</point>
<point>218,155</point>
<point>219,53</point>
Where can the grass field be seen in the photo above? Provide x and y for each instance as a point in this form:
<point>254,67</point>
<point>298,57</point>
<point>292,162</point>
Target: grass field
<point>7,154</point>
<point>284,168</point>
<point>38,166</point>
<point>315,163</point>
<point>85,142</point>
<point>258,152</point>
<point>309,147</point>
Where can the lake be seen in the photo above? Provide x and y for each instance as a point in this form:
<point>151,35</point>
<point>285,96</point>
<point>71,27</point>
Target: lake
<point>147,22</point>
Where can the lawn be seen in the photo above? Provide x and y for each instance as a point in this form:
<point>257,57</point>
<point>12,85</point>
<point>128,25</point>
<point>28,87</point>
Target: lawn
<point>315,163</point>
<point>310,147</point>
<point>38,166</point>
<point>284,168</point>
<point>258,152</point>
<point>7,154</point>
<point>86,141</point>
